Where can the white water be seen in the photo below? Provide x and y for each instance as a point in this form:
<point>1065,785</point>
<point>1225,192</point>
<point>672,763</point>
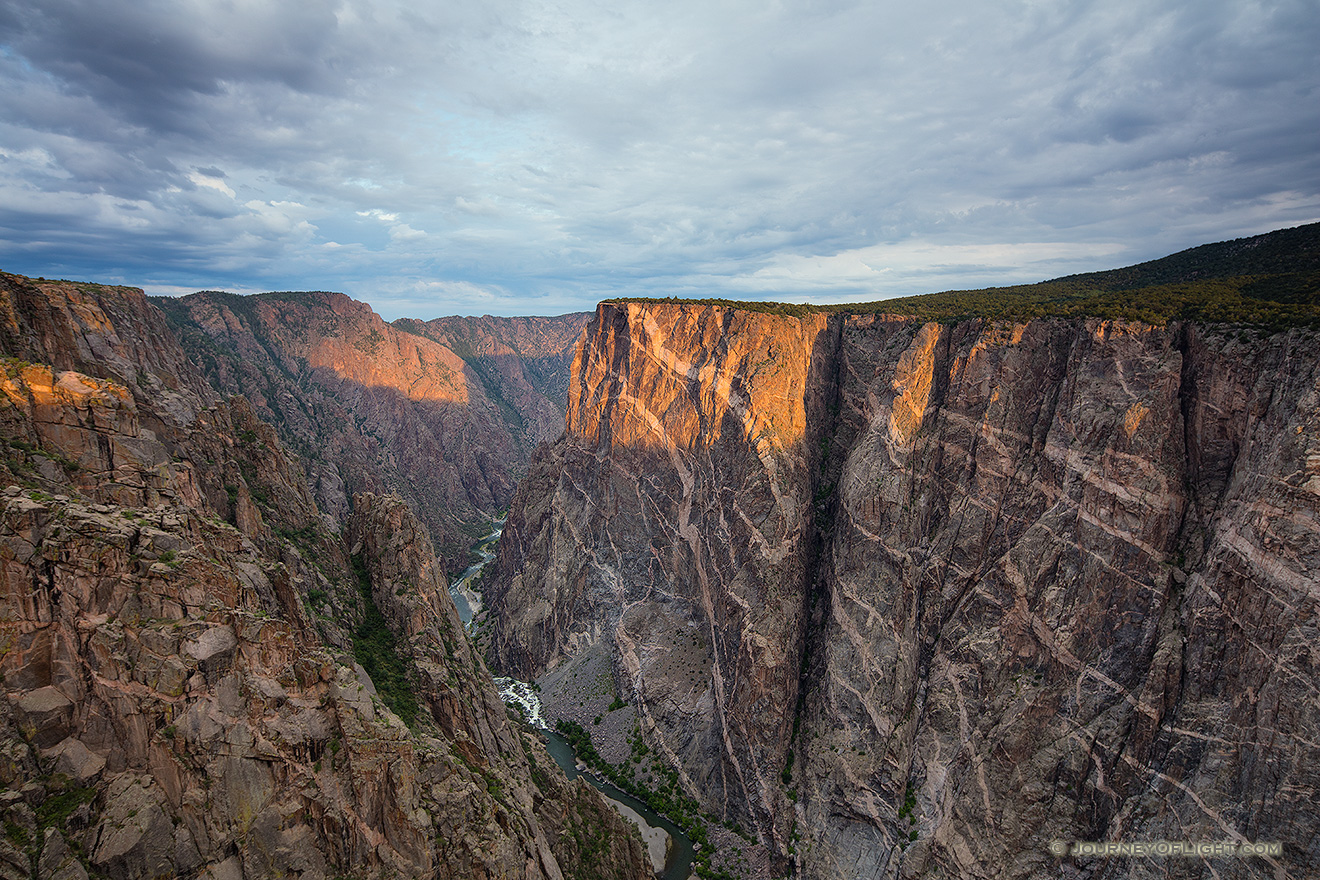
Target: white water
<point>666,859</point>
<point>522,694</point>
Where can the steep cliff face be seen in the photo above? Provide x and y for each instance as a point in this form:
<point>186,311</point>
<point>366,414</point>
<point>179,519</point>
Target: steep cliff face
<point>183,648</point>
<point>532,814</point>
<point>106,331</point>
<point>372,408</point>
<point>671,523</point>
<point>1071,594</point>
<point>917,599</point>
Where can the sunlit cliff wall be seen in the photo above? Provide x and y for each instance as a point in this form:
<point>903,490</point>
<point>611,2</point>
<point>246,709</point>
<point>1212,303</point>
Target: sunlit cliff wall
<point>378,407</point>
<point>991,584</point>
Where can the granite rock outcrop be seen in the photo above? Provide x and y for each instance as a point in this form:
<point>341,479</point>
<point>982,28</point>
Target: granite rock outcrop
<point>183,645</point>
<point>524,364</point>
<point>919,599</point>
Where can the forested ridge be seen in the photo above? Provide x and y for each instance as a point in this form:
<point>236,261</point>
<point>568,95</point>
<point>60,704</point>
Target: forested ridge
<point>1270,281</point>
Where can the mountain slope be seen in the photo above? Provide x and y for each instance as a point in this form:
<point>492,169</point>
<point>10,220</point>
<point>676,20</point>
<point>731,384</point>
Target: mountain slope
<point>371,408</point>
<point>524,364</point>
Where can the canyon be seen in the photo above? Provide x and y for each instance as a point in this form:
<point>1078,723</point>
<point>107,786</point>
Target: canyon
<point>913,598</point>
<point>444,413</point>
<point>206,675</point>
<point>929,588</point>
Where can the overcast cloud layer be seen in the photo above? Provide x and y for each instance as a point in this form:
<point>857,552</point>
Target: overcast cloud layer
<point>535,157</point>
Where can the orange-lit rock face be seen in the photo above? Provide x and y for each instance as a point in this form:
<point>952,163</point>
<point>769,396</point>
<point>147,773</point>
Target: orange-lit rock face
<point>379,408</point>
<point>691,434</point>
<point>912,378</point>
<point>418,370</point>
<point>524,362</point>
<point>686,378</point>
<point>86,431</point>
<point>100,402</point>
<point>1048,580</point>
<point>175,642</point>
<point>359,347</point>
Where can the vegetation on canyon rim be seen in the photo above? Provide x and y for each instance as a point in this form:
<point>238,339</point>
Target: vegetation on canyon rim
<point>1270,282</point>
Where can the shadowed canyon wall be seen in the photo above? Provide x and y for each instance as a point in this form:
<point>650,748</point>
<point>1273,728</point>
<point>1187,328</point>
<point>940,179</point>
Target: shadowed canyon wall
<point>916,599</point>
<point>446,413</point>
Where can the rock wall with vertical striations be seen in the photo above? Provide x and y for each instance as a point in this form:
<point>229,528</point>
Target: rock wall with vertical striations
<point>672,523</point>
<point>916,599</point>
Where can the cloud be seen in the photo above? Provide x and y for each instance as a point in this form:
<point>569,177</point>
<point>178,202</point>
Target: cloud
<point>562,153</point>
<point>890,270</point>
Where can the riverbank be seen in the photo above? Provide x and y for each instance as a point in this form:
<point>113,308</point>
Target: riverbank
<point>467,600</point>
<point>667,846</point>
<point>581,692</point>
<point>658,841</point>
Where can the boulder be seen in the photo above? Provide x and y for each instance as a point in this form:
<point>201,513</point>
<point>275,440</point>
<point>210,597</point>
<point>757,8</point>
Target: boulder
<point>76,761</point>
<point>57,861</point>
<point>45,716</point>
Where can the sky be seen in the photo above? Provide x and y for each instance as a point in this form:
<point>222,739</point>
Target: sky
<point>510,157</point>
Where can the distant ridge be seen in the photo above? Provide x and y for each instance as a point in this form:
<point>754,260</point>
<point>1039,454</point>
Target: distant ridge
<point>1284,251</point>
<point>1269,281</point>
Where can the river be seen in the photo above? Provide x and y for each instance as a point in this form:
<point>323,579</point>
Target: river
<point>677,856</point>
<point>466,598</point>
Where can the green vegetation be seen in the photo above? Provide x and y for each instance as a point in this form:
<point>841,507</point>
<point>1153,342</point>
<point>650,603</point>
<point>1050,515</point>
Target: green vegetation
<point>61,800</point>
<point>260,494</point>
<point>1253,300</point>
<point>909,804</point>
<point>1271,302</point>
<point>371,343</point>
<point>375,648</point>
<point>306,538</point>
<point>591,840</point>
<point>1269,281</point>
<point>664,796</point>
<point>494,787</point>
<point>17,834</point>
